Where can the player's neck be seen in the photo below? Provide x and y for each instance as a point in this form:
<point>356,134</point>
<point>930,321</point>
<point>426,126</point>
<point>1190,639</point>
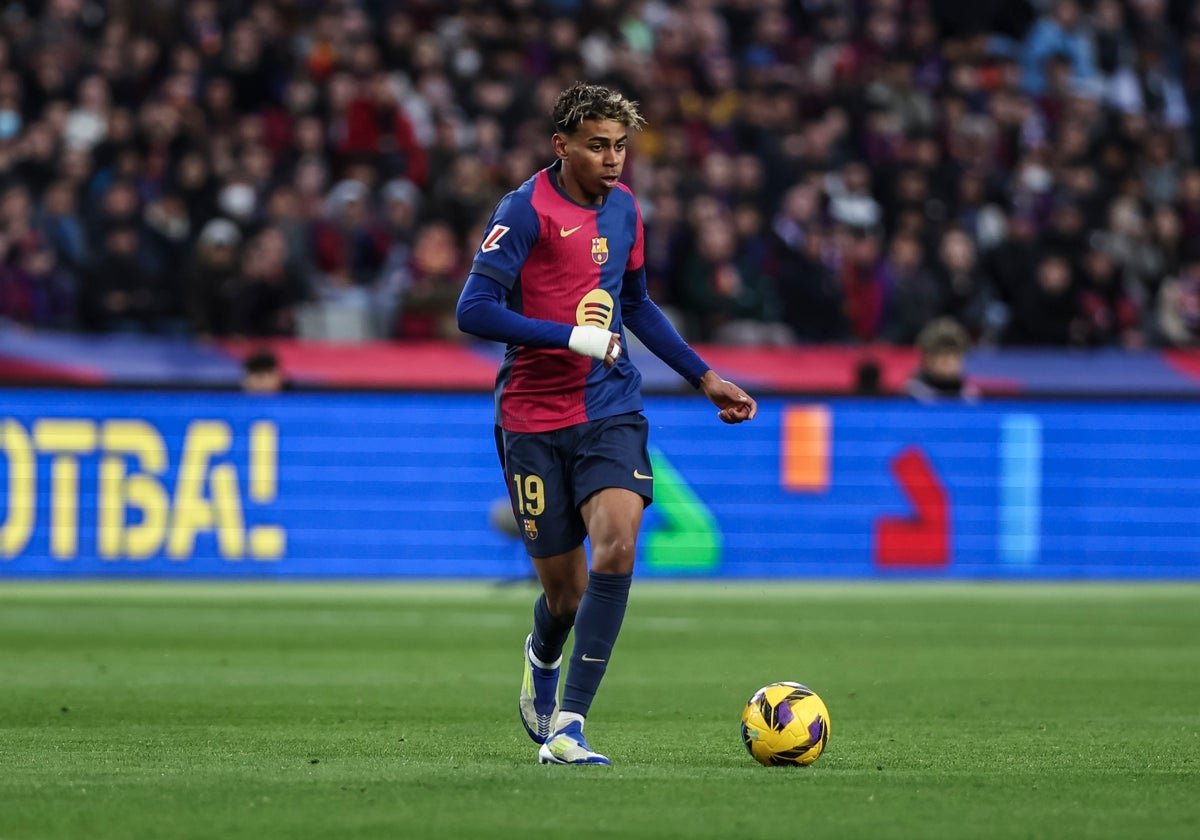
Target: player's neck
<point>575,192</point>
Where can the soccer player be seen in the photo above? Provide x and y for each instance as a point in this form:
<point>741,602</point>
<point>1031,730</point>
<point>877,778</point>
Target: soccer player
<point>558,278</point>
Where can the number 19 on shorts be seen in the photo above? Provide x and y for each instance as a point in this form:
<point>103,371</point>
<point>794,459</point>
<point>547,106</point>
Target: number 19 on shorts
<point>530,493</point>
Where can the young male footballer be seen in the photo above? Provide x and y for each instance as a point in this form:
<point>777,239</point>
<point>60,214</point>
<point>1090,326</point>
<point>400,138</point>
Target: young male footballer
<point>558,277</point>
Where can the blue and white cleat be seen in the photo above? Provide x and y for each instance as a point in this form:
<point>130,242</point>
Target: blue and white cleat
<point>567,746</point>
<point>539,697</point>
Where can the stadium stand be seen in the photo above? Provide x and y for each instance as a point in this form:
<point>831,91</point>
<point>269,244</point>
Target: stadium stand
<point>181,173</point>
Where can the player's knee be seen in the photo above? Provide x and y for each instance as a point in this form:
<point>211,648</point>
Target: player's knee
<point>564,605</point>
<point>615,554</point>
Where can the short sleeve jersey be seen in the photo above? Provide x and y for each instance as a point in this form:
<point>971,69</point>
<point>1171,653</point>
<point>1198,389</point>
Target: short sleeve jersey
<point>565,262</point>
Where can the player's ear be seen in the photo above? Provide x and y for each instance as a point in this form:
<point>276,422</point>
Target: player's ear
<point>560,145</point>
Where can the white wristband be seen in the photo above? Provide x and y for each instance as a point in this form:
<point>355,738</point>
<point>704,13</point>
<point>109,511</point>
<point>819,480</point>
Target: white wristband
<point>592,341</point>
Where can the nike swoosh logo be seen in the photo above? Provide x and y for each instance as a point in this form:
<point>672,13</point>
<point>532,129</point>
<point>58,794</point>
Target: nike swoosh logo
<point>562,231</point>
<point>637,474</point>
<point>587,658</point>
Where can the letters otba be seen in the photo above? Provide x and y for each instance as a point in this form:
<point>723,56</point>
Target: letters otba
<point>138,516</point>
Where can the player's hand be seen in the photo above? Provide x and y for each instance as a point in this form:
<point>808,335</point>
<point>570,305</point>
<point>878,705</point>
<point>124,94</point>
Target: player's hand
<point>736,405</point>
<point>596,342</point>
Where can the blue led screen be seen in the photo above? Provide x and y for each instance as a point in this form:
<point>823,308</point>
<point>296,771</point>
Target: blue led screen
<point>159,484</point>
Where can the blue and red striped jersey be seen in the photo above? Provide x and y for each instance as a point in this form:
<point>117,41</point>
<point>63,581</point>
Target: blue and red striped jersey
<point>564,262</point>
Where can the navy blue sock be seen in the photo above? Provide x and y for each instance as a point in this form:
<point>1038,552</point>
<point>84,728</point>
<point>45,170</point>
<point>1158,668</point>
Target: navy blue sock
<point>549,634</point>
<point>597,623</point>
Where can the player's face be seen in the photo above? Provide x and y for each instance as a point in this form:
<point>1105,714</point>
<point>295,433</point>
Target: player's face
<point>593,158</point>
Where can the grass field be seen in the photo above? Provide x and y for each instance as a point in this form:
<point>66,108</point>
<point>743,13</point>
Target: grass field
<point>256,710</point>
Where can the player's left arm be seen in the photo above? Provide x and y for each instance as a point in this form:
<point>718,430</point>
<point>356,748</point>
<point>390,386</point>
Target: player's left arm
<point>645,320</point>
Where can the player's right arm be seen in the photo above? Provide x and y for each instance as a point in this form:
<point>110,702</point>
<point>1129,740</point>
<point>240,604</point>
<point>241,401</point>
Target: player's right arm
<point>482,307</point>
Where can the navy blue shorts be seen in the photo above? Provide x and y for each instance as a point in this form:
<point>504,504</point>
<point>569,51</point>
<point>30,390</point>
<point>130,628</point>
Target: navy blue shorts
<point>550,474</point>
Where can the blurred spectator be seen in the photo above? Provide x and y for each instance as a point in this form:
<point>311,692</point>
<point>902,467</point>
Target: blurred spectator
<point>868,378</point>
<point>121,295</point>
<point>1013,260</point>
<point>1129,239</point>
<point>370,125</point>
<point>401,206</point>
<point>1190,80</point>
<point>1160,170</point>
<point>191,177</point>
<point>806,286</point>
<point>168,232</point>
<point>262,373</point>
<point>864,280</point>
<point>213,283</point>
<point>895,94</point>
<point>1061,32</point>
<point>289,215</point>
<point>727,297</point>
<point>1148,89</point>
<point>1189,203</point>
<point>915,298</point>
<point>34,290</point>
<point>64,231</point>
<point>1179,303</point>
<point>436,278</point>
<point>1111,37</point>
<point>1167,238</point>
<point>665,236</point>
<point>941,373</point>
<point>1110,315</point>
<point>965,293</point>
<point>270,289</point>
<point>349,246</point>
<point>1046,307</point>
<point>812,304</point>
<point>463,195</point>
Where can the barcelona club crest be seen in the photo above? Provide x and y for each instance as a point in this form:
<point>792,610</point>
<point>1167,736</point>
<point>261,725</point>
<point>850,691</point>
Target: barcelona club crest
<point>599,250</point>
<point>531,530</point>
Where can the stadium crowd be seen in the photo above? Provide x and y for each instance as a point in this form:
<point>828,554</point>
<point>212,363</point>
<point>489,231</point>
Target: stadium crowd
<point>812,170</point>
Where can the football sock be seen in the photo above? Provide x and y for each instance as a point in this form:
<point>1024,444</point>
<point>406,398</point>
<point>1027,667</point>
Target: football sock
<point>549,635</point>
<point>597,623</point>
<point>564,719</point>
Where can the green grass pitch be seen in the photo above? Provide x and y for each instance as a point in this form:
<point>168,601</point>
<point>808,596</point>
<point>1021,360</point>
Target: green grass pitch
<point>388,710</point>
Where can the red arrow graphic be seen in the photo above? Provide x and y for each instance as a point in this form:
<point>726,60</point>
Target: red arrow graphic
<point>920,541</point>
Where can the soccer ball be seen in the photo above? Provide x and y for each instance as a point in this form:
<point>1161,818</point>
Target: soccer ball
<point>785,723</point>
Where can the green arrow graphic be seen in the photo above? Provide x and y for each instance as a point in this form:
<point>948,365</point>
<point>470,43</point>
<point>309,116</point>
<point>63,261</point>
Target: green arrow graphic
<point>686,538</point>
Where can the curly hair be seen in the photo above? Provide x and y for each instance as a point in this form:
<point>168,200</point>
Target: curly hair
<point>582,101</point>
